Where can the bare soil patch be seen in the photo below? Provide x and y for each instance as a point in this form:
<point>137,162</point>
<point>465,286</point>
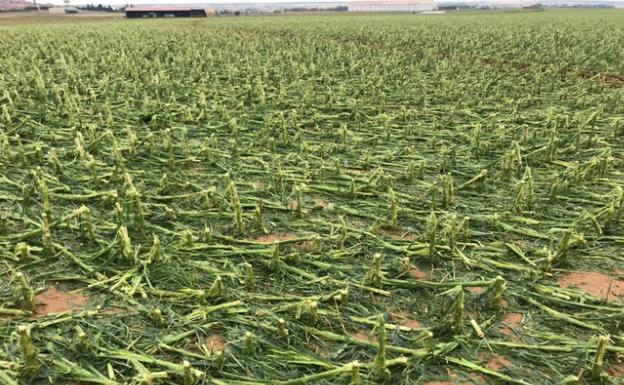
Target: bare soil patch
<point>320,202</point>
<point>363,336</point>
<point>395,233</point>
<point>476,289</point>
<point>215,343</point>
<point>53,300</point>
<point>497,363</point>
<point>272,238</point>
<point>510,322</point>
<point>596,284</point>
<point>417,273</point>
<point>407,319</point>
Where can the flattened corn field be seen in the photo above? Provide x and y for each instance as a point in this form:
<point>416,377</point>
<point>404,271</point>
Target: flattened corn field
<point>313,199</point>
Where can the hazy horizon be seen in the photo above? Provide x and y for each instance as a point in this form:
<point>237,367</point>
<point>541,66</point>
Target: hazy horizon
<point>191,2</point>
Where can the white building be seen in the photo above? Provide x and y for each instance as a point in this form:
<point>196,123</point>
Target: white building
<point>390,5</point>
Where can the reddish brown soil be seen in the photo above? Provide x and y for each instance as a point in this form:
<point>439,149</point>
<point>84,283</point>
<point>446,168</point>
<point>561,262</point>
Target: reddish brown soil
<point>471,315</point>
<point>54,300</point>
<point>477,378</point>
<point>320,202</point>
<point>521,244</point>
<point>596,284</point>
<point>363,336</point>
<point>411,323</point>
<point>513,319</point>
<point>417,273</point>
<point>407,319</point>
<point>309,246</point>
<point>113,310</point>
<point>510,321</point>
<point>451,374</point>
<point>476,289</point>
<point>615,369</point>
<point>496,363</point>
<point>395,233</point>
<point>441,383</point>
<point>215,343</point>
<point>272,238</point>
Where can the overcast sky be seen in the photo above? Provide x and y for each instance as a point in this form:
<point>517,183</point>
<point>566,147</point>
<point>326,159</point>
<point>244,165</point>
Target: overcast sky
<point>186,2</point>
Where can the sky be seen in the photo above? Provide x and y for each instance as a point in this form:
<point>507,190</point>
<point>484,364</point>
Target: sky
<point>185,2</point>
<point>188,2</point>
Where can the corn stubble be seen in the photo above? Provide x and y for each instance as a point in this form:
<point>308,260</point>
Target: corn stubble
<point>370,199</point>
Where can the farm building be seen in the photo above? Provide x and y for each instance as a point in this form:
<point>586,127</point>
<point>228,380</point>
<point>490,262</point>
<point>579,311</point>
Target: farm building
<point>57,10</point>
<point>390,5</point>
<point>168,11</point>
<point>21,6</point>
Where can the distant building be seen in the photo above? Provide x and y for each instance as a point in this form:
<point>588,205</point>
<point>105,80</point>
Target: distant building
<point>57,10</point>
<point>21,6</point>
<point>390,5</point>
<point>168,11</point>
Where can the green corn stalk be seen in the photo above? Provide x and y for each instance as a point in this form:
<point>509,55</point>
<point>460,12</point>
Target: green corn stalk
<point>375,274</point>
<point>125,244</point>
<point>250,279</point>
<point>186,238</point>
<point>431,233</point>
<point>298,203</point>
<point>28,349</point>
<point>496,291</point>
<point>356,379</point>
<point>393,207</point>
<point>87,227</point>
<point>258,215</point>
<point>249,341</point>
<point>379,370</point>
<point>22,251</point>
<point>217,289</point>
<point>189,377</point>
<point>283,331</point>
<point>478,180</point>
<point>47,235</point>
<point>157,317</point>
<point>25,293</point>
<point>344,232</point>
<point>458,310</point>
<point>238,212</point>
<point>447,190</point>
<point>276,258</point>
<point>155,254</point>
<point>598,364</point>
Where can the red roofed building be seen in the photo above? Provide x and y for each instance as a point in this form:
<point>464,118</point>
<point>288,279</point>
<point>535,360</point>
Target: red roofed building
<point>167,11</point>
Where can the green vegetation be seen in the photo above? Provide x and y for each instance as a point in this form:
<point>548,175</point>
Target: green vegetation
<point>329,199</point>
